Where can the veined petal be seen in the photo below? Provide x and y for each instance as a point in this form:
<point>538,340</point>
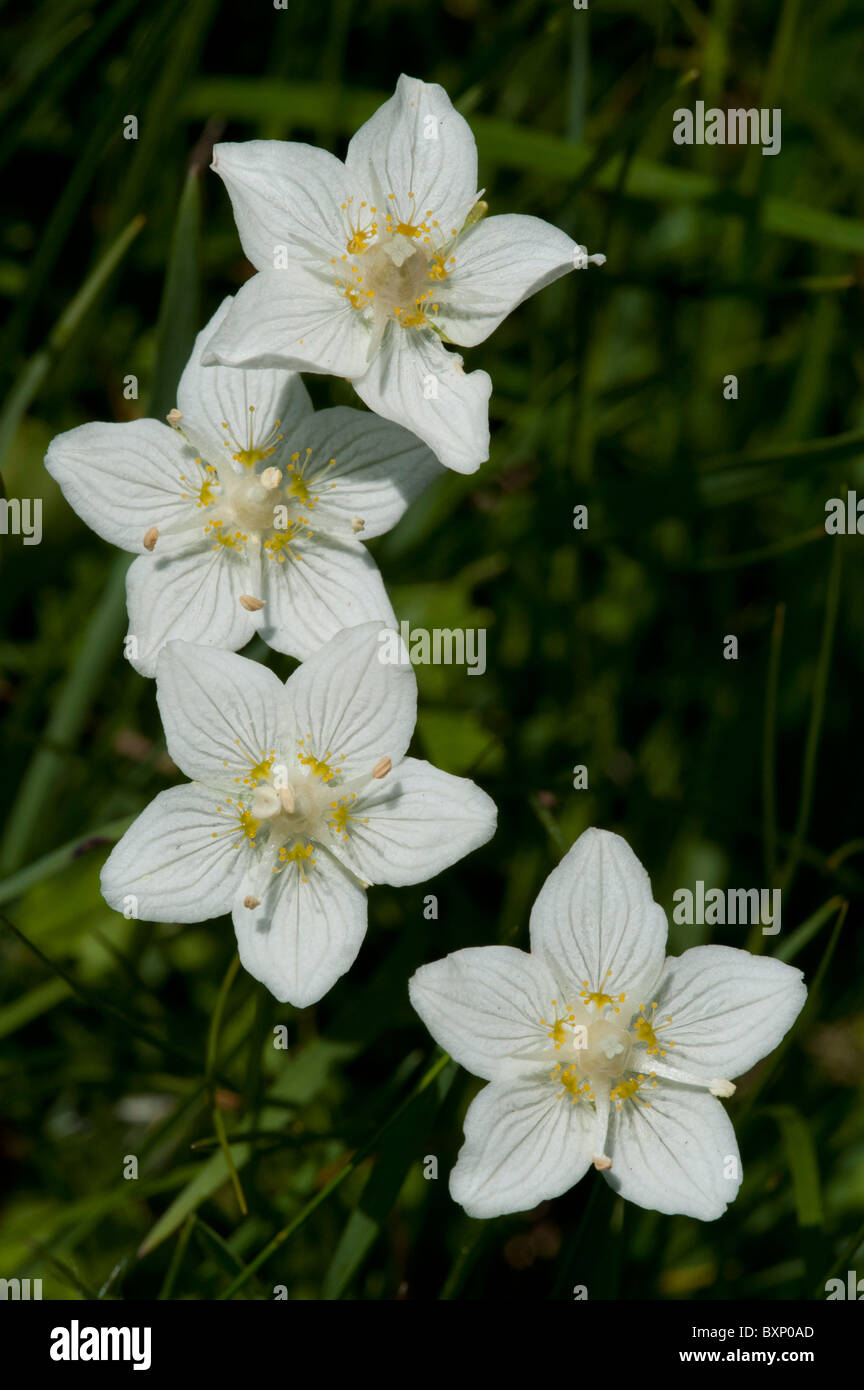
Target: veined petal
<point>416,143</point>
<point>349,700</point>
<point>179,860</point>
<point>523,1145</point>
<point>283,194</point>
<point>328,585</point>
<point>193,597</point>
<point>414,822</point>
<point>229,406</point>
<point>676,1155</point>
<point>292,318</point>
<point>307,930</point>
<point>595,919</point>
<point>379,469</point>
<point>484,1005</point>
<point>497,264</point>
<point>728,1009</point>
<point>123,479</point>
<point>222,714</point>
<point>416,382</point>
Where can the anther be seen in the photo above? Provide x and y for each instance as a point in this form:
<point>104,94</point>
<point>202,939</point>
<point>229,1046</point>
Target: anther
<point>251,902</point>
<point>174,417</point>
<point>150,537</point>
<point>381,768</point>
<point>270,478</point>
<point>286,796</point>
<point>722,1088</point>
<point>602,1162</point>
<point>358,524</point>
<point>250,603</point>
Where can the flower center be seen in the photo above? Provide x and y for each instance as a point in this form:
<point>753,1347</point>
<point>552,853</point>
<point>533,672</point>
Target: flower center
<point>588,1045</point>
<point>392,263</point>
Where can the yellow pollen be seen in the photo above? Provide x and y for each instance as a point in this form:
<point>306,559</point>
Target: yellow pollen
<point>558,1029</point>
<point>599,999</point>
<point>644,1029</point>
<point>318,766</point>
<point>574,1086</point>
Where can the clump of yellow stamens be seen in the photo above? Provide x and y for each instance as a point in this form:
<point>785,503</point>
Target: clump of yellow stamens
<point>252,453</point>
<point>318,766</point>
<point>203,486</point>
<point>644,1029</point>
<point>628,1090</point>
<point>599,999</point>
<point>245,821</point>
<point>358,236</point>
<point>558,1029</point>
<point>230,540</point>
<point>341,816</point>
<point>574,1086</point>
<point>260,771</point>
<point>300,854</point>
<point>300,484</point>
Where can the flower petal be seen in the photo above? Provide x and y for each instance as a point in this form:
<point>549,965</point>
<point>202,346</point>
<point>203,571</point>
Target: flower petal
<point>728,1009</point>
<point>221,713</point>
<point>349,700</point>
<point>416,143</point>
<point>414,380</point>
<point>193,598</point>
<point>379,469</point>
<point>677,1155</point>
<point>283,194</point>
<point>176,860</point>
<point>327,586</point>
<point>291,318</point>
<point>484,1005</point>
<point>123,479</point>
<point>523,1145</point>
<point>595,919</point>
<point>305,933</point>
<point>497,264</point>
<point>413,823</point>
<point>211,398</point>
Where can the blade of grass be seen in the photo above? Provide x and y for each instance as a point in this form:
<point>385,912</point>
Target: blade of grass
<point>212,1050</point>
<point>338,1178</point>
<point>801,1157</point>
<point>36,370</point>
<point>817,714</point>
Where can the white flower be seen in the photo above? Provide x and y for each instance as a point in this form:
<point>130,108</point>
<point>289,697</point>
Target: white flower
<point>246,516</point>
<point>598,1051</point>
<point>364,267</point>
<point>301,797</point>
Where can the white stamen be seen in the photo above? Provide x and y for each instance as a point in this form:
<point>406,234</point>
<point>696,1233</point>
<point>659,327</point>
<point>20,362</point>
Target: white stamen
<point>270,478</point>
<point>722,1088</point>
<point>286,796</point>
